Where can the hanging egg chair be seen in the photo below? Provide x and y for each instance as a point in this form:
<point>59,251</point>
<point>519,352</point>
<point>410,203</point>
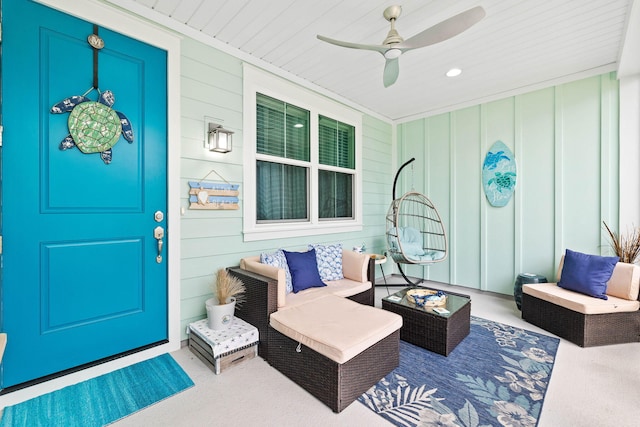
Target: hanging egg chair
<point>415,233</point>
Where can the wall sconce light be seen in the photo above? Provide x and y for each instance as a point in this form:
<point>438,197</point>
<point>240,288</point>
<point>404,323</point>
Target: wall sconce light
<point>218,138</point>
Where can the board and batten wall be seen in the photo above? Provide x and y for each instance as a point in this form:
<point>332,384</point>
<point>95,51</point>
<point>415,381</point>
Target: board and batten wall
<point>212,86</point>
<point>565,141</point>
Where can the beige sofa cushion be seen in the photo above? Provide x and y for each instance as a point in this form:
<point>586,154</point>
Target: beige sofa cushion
<point>342,288</point>
<point>347,287</point>
<point>624,282</point>
<point>578,302</point>
<point>354,269</point>
<point>354,266</point>
<point>254,265</point>
<point>335,327</point>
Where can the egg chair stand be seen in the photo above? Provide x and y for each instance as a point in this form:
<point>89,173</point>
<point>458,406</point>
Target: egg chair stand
<point>414,233</point>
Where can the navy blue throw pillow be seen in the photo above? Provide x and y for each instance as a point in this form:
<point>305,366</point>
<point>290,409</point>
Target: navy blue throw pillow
<point>587,274</point>
<point>304,270</point>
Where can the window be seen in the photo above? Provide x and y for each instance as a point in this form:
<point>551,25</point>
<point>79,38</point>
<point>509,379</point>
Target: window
<point>302,171</point>
<point>282,135</point>
<point>336,145</point>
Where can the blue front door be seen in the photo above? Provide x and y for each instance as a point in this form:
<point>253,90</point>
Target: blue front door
<point>81,276</point>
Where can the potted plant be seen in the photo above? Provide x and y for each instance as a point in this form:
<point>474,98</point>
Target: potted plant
<point>625,246</point>
<point>228,292</point>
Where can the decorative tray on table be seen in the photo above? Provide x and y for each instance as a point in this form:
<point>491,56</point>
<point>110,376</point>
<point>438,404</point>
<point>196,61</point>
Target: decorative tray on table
<point>426,297</point>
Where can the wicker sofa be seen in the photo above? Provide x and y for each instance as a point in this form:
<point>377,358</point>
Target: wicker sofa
<point>584,320</point>
<point>309,344</point>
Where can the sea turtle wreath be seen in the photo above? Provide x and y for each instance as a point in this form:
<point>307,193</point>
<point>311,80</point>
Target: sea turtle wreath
<point>94,127</point>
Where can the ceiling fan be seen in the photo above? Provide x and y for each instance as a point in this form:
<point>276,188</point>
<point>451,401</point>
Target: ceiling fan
<point>394,45</point>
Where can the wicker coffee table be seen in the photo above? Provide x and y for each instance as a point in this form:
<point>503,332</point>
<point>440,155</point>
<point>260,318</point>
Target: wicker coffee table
<point>422,326</point>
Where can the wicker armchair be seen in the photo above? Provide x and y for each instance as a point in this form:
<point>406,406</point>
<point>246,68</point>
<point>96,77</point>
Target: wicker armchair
<point>584,320</point>
<point>262,300</point>
<point>335,384</point>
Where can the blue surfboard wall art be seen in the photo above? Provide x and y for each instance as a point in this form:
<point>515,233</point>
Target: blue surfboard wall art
<point>499,174</point>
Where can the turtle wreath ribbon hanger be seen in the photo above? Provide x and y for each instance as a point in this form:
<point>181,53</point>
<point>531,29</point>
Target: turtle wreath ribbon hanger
<point>94,127</point>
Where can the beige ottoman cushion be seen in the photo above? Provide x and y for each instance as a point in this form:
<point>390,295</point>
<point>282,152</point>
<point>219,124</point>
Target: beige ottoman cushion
<point>335,327</point>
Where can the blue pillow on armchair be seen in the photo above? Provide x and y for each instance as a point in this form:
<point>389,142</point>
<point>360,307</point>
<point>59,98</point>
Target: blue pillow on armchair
<point>587,274</point>
<point>304,270</point>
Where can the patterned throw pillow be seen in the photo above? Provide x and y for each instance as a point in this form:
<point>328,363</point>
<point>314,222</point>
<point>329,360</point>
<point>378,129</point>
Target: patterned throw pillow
<point>329,259</point>
<point>277,259</point>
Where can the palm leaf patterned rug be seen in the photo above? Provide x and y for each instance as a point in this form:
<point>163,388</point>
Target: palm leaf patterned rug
<point>497,376</point>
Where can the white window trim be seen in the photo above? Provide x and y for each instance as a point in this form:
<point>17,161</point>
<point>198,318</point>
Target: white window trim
<point>258,81</point>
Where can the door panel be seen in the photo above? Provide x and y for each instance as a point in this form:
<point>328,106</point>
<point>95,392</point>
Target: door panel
<point>70,301</point>
<point>80,281</point>
<point>116,187</point>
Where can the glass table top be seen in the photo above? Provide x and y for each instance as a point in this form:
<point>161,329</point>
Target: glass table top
<point>454,301</point>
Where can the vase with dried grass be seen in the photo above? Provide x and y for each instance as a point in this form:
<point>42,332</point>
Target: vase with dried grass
<point>229,292</point>
<point>626,246</point>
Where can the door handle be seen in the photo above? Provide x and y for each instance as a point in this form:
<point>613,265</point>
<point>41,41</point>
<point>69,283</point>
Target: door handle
<point>158,233</point>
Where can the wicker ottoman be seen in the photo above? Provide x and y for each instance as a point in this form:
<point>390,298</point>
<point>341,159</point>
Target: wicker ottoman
<point>334,348</point>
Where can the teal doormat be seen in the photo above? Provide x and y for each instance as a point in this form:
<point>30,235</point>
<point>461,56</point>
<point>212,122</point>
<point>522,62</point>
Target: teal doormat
<point>104,399</point>
<point>498,375</point>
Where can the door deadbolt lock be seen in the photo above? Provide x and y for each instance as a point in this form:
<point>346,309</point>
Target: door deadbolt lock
<point>158,216</point>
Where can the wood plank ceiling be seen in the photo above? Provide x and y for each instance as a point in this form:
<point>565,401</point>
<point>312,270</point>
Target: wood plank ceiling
<point>520,44</point>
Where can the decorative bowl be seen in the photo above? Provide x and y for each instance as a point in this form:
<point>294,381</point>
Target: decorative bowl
<point>426,297</point>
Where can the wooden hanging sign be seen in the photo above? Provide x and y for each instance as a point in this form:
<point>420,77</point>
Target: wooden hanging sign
<point>213,195</point>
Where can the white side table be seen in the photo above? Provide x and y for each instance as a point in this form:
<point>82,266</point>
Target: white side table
<point>379,260</point>
<point>224,348</point>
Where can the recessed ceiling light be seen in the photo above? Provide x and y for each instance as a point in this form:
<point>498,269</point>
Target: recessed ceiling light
<point>298,125</point>
<point>454,72</point>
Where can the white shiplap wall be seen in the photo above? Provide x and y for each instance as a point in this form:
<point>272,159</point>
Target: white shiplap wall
<point>211,85</point>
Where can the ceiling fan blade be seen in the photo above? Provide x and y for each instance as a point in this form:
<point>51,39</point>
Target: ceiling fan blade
<point>391,71</point>
<point>444,30</point>
<point>373,47</point>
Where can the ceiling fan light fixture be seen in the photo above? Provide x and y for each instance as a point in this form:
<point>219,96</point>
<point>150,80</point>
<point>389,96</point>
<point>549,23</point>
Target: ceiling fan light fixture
<point>394,45</point>
<point>454,72</point>
<point>392,53</point>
